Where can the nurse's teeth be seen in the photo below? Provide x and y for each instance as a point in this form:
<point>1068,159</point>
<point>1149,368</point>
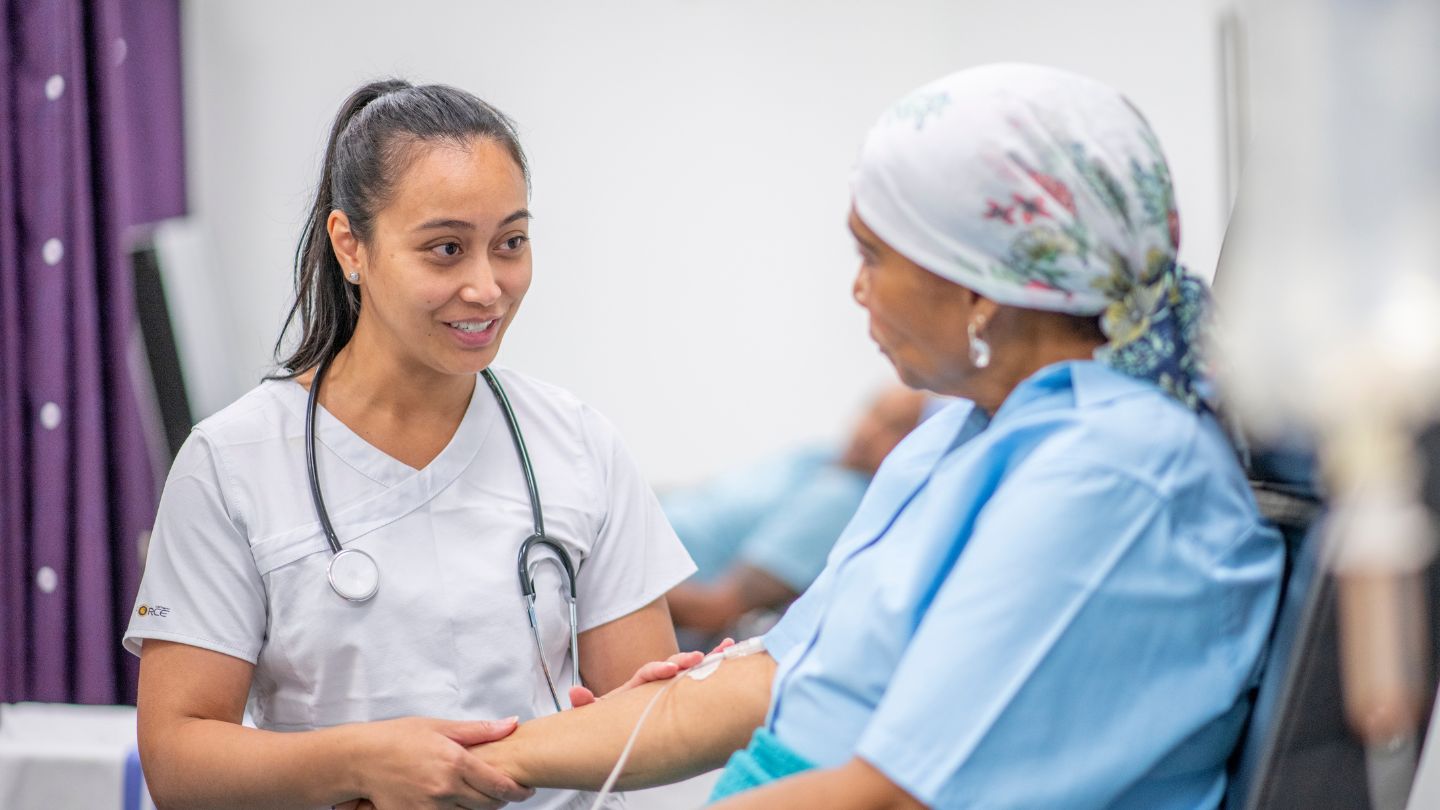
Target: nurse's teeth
<point>472,326</point>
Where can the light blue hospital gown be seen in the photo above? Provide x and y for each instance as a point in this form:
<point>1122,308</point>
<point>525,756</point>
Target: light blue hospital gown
<point>782,515</point>
<point>1063,608</point>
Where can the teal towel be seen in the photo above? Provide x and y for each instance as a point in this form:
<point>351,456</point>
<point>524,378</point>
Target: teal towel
<point>764,760</point>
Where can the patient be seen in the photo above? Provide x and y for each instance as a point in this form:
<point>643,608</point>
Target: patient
<point>760,535</point>
<point>1057,591</point>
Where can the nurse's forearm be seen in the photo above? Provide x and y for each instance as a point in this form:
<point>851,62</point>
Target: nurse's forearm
<point>214,763</point>
<point>196,753</point>
<point>405,762</point>
<point>694,728</point>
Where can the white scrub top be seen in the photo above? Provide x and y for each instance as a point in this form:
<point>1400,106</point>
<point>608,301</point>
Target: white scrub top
<point>237,559</point>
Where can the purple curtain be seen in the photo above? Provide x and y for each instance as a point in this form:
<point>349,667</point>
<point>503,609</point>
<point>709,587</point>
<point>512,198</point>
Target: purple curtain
<point>90,147</point>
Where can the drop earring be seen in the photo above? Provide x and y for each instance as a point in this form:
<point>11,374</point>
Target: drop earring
<point>979,347</point>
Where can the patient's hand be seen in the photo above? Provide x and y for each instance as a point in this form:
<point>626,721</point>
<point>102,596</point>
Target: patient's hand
<point>653,671</point>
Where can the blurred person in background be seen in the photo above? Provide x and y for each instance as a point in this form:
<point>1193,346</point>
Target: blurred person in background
<point>760,535</point>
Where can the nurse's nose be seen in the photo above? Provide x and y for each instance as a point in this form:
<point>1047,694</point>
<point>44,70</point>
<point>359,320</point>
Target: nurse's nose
<point>481,286</point>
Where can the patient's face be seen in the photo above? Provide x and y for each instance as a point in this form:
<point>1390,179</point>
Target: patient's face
<point>916,318</point>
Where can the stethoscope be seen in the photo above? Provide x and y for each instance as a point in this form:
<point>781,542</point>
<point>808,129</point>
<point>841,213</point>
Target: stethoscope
<point>354,575</point>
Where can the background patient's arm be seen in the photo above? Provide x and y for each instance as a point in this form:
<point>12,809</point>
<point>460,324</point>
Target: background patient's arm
<point>856,785</point>
<point>715,607</point>
<point>693,728</point>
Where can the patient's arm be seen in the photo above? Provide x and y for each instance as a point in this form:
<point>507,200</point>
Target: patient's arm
<point>694,728</point>
<point>856,785</point>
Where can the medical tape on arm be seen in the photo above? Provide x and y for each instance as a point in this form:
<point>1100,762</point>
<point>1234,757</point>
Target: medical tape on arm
<point>699,672</point>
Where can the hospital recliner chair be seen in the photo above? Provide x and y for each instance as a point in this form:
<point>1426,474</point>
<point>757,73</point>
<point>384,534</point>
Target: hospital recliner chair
<point>1297,751</point>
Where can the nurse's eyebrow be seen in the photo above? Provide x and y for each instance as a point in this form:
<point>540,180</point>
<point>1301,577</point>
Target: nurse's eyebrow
<point>446,224</point>
<point>450,224</point>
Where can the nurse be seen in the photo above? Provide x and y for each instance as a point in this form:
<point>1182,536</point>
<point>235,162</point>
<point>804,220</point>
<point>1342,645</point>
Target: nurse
<point>1056,592</point>
<point>412,266</point>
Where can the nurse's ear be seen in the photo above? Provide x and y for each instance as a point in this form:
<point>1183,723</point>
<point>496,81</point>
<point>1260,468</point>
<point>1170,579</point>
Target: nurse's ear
<point>349,250</point>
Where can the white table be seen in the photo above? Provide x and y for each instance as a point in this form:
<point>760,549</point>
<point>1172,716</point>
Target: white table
<point>55,755</point>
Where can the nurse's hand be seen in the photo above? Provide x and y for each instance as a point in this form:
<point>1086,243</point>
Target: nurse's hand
<point>423,762</point>
<point>653,671</point>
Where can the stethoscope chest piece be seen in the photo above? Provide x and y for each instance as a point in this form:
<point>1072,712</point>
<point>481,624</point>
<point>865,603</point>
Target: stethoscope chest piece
<point>354,575</point>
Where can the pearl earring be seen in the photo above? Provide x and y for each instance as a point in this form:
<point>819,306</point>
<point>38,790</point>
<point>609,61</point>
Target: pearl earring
<point>355,277</point>
<point>979,347</point>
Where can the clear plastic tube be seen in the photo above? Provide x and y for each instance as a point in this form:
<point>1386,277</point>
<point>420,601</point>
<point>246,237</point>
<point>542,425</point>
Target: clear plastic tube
<point>700,671</point>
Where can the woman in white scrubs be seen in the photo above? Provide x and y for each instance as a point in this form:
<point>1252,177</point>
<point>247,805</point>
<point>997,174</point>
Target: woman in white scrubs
<point>411,268</point>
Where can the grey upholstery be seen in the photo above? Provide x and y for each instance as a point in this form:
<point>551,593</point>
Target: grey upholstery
<point>1297,751</point>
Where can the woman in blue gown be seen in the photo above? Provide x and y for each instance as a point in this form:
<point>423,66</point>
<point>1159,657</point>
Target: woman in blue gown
<point>1056,592</point>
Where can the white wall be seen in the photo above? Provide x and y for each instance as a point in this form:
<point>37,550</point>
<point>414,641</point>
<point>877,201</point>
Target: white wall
<point>690,166</point>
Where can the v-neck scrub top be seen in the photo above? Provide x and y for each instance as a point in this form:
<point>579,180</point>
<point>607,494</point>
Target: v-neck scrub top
<point>237,559</point>
<point>1063,606</point>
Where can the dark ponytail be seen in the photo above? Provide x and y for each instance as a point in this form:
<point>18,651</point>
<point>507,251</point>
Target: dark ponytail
<point>371,143</point>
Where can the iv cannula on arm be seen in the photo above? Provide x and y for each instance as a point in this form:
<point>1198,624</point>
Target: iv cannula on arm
<point>692,728</point>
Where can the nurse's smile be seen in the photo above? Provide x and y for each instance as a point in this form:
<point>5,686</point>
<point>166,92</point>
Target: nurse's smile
<point>475,333</point>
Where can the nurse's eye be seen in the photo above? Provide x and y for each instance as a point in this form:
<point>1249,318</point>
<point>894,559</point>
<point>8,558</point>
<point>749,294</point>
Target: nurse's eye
<point>448,250</point>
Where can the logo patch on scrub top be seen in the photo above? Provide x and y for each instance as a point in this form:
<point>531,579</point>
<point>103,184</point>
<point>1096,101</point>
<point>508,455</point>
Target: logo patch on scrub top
<point>158,611</point>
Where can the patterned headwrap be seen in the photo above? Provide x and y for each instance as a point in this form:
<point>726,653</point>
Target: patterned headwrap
<point>1045,190</point>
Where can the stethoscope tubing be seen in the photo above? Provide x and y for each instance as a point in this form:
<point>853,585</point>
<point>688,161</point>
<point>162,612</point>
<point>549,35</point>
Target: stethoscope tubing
<point>525,467</point>
<point>311,467</point>
<point>527,582</point>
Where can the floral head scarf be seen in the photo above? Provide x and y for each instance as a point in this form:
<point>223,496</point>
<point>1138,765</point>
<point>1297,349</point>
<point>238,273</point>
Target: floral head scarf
<point>1045,190</point>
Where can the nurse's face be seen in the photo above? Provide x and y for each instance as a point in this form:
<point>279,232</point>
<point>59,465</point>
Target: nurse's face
<point>916,318</point>
<point>448,259</point>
